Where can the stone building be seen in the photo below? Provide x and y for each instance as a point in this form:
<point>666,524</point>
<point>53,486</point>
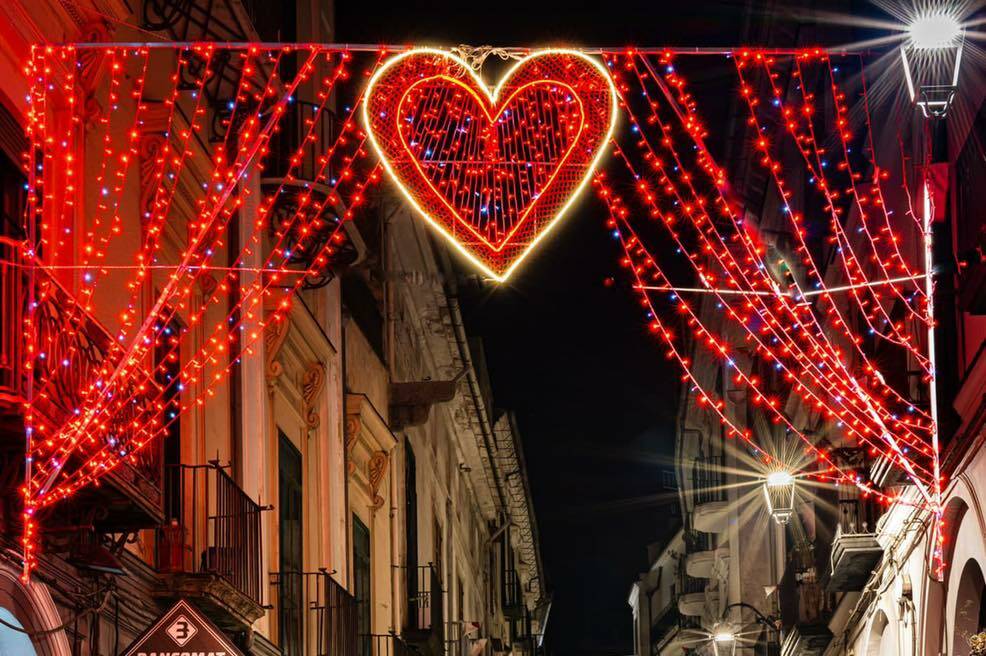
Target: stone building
<point>351,488</point>
<point>843,575</point>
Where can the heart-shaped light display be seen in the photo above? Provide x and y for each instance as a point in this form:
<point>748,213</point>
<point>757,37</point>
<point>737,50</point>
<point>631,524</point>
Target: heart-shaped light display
<point>492,170</point>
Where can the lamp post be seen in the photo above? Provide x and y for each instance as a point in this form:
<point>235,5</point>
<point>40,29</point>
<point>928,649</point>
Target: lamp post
<point>932,56</point>
<point>779,488</point>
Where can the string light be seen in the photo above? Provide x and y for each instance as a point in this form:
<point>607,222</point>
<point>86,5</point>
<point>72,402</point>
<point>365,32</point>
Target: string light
<point>90,433</point>
<point>493,171</point>
<point>686,209</point>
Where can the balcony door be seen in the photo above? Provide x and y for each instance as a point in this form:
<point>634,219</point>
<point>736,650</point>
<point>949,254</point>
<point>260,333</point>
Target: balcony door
<point>361,584</point>
<point>411,520</point>
<point>289,508</point>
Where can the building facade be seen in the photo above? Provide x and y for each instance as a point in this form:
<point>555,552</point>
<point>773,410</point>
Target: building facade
<point>350,488</point>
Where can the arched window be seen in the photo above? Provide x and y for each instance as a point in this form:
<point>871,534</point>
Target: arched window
<point>13,641</point>
<point>881,641</point>
<point>970,611</point>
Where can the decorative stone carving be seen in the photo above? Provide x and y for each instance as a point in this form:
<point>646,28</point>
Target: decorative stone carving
<point>207,283</point>
<point>275,332</point>
<point>90,69</point>
<point>353,426</point>
<point>376,469</point>
<point>312,382</point>
<point>151,149</point>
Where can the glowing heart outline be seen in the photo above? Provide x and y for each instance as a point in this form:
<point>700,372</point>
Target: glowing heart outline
<point>494,108</point>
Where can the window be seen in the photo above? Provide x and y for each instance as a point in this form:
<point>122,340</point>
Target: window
<point>13,196</point>
<point>167,369</point>
<point>290,513</point>
<point>462,600</point>
<point>363,308</point>
<point>493,580</point>
<point>668,481</point>
<point>411,518</point>
<point>361,584</point>
<point>13,641</point>
<point>439,548</point>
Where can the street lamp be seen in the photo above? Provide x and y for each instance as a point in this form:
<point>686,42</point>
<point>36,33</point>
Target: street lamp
<point>723,640</point>
<point>931,58</point>
<point>778,491</point>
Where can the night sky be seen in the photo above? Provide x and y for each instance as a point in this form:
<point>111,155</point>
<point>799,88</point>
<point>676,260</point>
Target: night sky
<point>594,396</point>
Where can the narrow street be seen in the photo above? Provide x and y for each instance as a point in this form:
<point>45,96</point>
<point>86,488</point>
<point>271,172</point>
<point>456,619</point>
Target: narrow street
<point>507,329</point>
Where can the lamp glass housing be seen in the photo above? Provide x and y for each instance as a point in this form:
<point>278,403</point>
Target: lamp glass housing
<point>932,57</point>
<point>723,641</point>
<point>779,493</point>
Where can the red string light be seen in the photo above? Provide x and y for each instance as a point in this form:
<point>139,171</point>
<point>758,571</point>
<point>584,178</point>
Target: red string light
<point>494,172</point>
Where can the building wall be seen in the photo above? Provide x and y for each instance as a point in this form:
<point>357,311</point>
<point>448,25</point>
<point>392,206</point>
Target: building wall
<point>318,382</point>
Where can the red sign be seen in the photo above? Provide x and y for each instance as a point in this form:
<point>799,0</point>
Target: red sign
<point>183,631</point>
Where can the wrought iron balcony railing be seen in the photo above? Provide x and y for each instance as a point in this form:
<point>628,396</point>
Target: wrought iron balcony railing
<point>73,348</point>
<point>855,517</point>
<point>708,480</point>
<point>316,615</point>
<point>382,644</point>
<point>462,639</point>
<point>213,547</point>
<point>12,285</point>
<point>512,592</point>
<point>424,630</point>
<point>302,172</point>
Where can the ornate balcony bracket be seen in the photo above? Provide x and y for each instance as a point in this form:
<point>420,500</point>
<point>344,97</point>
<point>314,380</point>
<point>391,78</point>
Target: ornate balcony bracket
<point>410,403</point>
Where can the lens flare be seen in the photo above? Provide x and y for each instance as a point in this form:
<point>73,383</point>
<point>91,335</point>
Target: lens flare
<point>932,31</point>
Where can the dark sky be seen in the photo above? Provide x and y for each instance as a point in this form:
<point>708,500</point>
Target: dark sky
<point>594,397</point>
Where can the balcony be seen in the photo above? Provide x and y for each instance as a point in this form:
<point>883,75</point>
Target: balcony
<point>668,622</point>
<point>693,598</point>
<point>855,548</point>
<point>806,640</point>
<point>512,594</point>
<point>301,169</point>
<point>316,616</point>
<point>74,347</point>
<point>703,564</point>
<point>425,628</point>
<point>211,551</point>
<point>462,639</point>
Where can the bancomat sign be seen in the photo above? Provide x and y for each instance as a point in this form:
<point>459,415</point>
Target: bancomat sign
<point>182,631</point>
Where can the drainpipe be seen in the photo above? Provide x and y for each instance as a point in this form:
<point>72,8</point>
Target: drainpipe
<point>474,388</point>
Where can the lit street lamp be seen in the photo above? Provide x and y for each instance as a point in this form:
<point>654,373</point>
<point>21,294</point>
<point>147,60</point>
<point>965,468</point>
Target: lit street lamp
<point>778,491</point>
<point>931,58</point>
<point>723,640</point>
